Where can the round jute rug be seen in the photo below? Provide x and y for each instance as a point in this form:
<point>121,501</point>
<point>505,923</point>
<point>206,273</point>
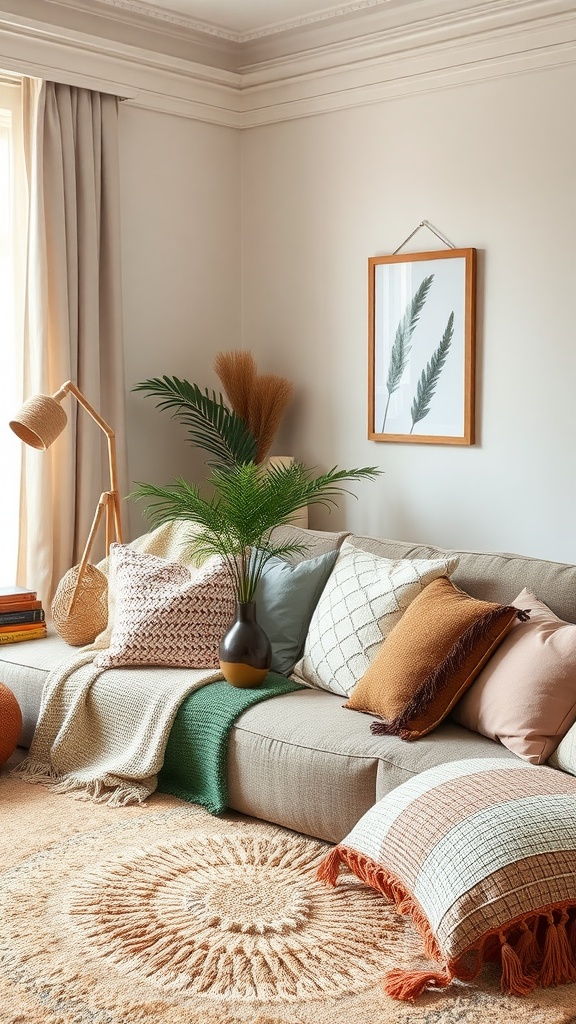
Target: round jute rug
<point>162,914</point>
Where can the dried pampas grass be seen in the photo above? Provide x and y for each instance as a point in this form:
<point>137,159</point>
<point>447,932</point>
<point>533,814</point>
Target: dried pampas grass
<point>260,401</point>
<point>272,395</point>
<point>237,371</point>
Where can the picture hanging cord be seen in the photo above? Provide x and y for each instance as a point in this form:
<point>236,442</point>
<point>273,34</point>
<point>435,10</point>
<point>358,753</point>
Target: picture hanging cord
<point>425,224</point>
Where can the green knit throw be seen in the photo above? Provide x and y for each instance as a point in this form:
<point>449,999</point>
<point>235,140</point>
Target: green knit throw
<point>194,766</point>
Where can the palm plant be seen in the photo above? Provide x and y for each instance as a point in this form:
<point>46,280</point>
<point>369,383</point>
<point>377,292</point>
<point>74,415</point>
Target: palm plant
<point>211,424</point>
<point>246,505</point>
<point>247,502</point>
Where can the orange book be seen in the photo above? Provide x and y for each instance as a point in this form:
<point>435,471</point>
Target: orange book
<point>20,606</point>
<point>8,595</point>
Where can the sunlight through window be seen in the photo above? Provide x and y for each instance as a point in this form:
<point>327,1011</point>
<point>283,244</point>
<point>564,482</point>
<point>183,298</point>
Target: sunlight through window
<point>12,249</point>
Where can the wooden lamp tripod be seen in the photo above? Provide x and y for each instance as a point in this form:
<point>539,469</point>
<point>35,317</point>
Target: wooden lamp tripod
<point>38,423</point>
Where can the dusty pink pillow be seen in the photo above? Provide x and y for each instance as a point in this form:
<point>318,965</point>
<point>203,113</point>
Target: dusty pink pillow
<point>166,613</point>
<point>525,696</point>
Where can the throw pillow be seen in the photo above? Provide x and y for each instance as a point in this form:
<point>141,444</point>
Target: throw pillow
<point>286,597</point>
<point>481,853</point>
<point>429,659</point>
<point>166,613</point>
<point>526,694</point>
<point>564,756</point>
<point>364,598</point>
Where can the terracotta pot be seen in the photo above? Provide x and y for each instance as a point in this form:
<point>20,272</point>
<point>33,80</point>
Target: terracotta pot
<point>245,653</point>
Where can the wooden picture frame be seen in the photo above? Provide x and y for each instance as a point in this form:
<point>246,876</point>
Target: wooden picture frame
<point>421,347</point>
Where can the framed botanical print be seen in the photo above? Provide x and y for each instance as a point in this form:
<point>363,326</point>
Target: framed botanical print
<point>421,347</point>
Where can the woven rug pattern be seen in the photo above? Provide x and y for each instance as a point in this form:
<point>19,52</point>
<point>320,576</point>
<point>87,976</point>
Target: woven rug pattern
<point>163,914</point>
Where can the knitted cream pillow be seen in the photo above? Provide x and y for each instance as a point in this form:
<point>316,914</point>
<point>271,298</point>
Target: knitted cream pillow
<point>166,613</point>
<point>364,598</point>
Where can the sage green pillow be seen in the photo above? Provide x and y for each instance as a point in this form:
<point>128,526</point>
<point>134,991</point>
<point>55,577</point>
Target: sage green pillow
<point>286,597</point>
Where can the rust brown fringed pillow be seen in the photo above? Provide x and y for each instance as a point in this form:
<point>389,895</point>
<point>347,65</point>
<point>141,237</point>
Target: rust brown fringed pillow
<point>429,659</point>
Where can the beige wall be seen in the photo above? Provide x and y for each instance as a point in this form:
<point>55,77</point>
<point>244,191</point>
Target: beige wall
<point>492,165</point>
<point>180,184</point>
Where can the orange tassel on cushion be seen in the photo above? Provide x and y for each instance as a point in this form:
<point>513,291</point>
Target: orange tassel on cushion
<point>408,985</point>
<point>514,982</point>
<point>527,949</point>
<point>558,963</point>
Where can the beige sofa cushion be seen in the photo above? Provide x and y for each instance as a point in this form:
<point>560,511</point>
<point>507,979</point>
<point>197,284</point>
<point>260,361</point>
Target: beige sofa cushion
<point>492,577</point>
<point>24,667</point>
<point>305,762</point>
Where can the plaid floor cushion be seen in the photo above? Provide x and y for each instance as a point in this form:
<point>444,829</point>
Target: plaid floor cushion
<point>482,854</point>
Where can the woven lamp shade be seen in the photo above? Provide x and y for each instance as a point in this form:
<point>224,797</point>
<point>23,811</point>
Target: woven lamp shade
<point>10,723</point>
<point>89,615</point>
<point>39,422</point>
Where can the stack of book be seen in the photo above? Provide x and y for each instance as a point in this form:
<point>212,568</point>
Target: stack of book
<point>21,615</point>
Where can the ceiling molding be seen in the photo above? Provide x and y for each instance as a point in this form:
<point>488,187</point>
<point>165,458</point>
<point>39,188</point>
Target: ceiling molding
<point>159,14</point>
<point>498,39</point>
<point>173,17</point>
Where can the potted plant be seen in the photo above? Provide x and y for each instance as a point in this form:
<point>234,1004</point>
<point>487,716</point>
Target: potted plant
<point>243,506</point>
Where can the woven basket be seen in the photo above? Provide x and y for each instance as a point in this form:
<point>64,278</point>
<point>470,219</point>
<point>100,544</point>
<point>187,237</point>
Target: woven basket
<point>89,615</point>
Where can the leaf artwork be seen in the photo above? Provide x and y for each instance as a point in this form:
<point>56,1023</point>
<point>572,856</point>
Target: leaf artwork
<point>429,376</point>
<point>403,340</point>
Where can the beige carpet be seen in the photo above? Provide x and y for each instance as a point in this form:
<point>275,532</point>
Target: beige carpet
<point>162,914</point>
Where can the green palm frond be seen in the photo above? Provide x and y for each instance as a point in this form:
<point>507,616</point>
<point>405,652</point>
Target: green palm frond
<point>211,424</point>
<point>429,377</point>
<point>247,504</point>
<point>403,340</point>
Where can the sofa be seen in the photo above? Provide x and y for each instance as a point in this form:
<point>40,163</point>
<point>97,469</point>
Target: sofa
<point>302,760</point>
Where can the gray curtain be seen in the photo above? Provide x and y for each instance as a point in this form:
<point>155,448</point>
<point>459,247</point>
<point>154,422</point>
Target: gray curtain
<point>74,319</point>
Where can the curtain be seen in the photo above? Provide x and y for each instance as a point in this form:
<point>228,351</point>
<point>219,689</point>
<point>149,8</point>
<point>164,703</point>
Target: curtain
<point>73,325</point>
<point>13,235</point>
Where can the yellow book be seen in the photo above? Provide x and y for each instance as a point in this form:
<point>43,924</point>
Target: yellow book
<point>22,634</point>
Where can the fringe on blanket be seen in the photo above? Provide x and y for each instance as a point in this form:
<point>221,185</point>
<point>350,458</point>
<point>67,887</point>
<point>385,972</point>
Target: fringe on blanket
<point>33,771</point>
<point>115,792</point>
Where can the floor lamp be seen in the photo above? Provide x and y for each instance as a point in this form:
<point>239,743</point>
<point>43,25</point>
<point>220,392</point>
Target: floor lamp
<point>79,608</point>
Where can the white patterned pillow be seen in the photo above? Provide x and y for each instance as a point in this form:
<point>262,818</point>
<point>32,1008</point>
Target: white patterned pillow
<point>166,613</point>
<point>364,598</point>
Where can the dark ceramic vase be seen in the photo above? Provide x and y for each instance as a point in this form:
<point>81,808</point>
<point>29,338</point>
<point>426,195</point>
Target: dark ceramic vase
<point>245,653</point>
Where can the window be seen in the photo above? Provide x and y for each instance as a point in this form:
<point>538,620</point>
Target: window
<point>12,284</point>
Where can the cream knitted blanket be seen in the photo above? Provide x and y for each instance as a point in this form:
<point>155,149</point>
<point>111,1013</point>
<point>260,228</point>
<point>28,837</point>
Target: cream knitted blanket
<point>103,732</point>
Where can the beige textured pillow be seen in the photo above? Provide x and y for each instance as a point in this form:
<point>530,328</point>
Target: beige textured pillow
<point>526,694</point>
<point>429,659</point>
<point>166,613</point>
<point>364,598</point>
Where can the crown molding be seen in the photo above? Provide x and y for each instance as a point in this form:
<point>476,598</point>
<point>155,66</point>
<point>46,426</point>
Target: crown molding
<point>498,38</point>
<point>165,84</point>
<point>173,17</point>
<point>443,66</point>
